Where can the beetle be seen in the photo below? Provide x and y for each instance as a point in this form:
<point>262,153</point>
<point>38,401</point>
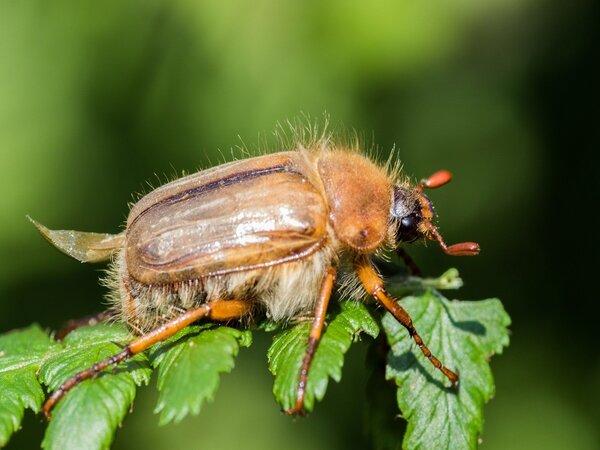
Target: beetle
<point>268,232</point>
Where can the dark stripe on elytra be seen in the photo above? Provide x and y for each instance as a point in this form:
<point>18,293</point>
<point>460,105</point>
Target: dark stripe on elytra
<point>220,183</point>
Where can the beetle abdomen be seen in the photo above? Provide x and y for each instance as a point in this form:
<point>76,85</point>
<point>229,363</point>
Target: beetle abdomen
<point>254,214</point>
<point>283,291</point>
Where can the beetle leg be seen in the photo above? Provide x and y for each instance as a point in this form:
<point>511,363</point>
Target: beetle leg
<point>73,324</point>
<point>410,263</point>
<point>373,284</point>
<point>313,339</point>
<point>220,310</point>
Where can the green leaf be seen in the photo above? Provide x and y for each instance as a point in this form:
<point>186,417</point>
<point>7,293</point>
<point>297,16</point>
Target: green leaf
<point>21,353</point>
<point>189,365</point>
<point>403,284</point>
<point>88,416</point>
<point>287,351</point>
<point>463,335</point>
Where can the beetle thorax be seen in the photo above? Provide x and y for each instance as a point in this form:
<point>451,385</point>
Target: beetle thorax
<point>359,194</point>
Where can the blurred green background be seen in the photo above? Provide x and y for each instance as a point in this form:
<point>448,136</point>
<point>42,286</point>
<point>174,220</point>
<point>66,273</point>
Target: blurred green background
<point>98,97</point>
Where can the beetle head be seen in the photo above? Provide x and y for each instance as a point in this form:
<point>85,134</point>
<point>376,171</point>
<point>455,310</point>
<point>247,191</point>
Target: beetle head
<point>414,214</point>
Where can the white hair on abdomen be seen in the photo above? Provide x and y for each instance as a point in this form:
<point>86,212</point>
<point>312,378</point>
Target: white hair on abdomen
<point>295,286</point>
<point>286,291</point>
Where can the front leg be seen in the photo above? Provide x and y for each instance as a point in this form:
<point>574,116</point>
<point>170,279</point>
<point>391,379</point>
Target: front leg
<point>373,284</point>
<point>314,337</point>
<point>410,263</point>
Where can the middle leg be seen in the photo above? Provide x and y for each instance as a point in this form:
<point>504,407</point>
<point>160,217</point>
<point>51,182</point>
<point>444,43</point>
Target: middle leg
<point>314,337</point>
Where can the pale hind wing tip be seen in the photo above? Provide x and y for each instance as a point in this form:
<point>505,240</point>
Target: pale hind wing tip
<point>83,246</point>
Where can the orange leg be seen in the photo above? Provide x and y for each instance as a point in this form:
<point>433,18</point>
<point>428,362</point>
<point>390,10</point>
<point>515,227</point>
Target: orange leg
<point>373,283</point>
<point>218,310</point>
<point>313,339</point>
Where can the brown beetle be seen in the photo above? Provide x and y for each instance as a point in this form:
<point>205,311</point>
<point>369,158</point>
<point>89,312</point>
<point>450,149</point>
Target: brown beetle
<point>266,232</point>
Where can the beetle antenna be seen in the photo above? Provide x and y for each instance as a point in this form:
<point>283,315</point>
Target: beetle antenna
<point>436,180</point>
<point>461,249</point>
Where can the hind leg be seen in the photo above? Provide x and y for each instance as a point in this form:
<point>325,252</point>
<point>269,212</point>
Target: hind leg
<point>221,310</point>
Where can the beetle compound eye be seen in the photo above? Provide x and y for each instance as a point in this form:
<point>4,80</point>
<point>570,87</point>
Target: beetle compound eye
<point>408,229</point>
<point>408,222</point>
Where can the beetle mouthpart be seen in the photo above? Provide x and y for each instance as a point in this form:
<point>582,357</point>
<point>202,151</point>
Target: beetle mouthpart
<point>436,180</point>
<point>461,249</point>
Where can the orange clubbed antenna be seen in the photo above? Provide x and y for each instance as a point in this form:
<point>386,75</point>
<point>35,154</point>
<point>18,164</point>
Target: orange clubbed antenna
<point>436,180</point>
<point>460,249</point>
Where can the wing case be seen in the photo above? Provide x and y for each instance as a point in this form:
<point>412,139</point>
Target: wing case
<point>239,216</point>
